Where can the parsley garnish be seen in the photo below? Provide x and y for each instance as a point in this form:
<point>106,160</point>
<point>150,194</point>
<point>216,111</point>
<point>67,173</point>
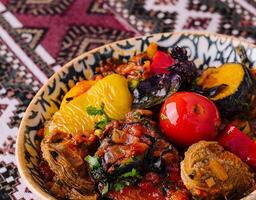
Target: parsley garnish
<point>132,173</point>
<point>118,186</point>
<point>92,161</point>
<point>91,110</point>
<point>102,123</point>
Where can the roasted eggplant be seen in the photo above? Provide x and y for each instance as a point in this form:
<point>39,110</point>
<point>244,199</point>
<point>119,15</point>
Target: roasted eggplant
<point>155,90</point>
<point>185,68</point>
<point>232,85</point>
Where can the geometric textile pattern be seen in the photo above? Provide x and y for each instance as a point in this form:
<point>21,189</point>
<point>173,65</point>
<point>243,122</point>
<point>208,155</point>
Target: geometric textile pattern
<point>31,36</point>
<point>42,26</point>
<point>16,81</point>
<point>229,17</point>
<point>40,7</point>
<point>79,39</point>
<point>8,179</point>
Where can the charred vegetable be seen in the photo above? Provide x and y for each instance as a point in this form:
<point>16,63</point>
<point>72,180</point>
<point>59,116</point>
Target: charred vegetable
<point>155,90</point>
<point>183,67</point>
<point>127,149</point>
<point>120,156</point>
<point>230,85</point>
<point>64,155</point>
<point>79,89</point>
<point>75,117</point>
<point>239,143</point>
<point>210,172</point>
<point>176,61</point>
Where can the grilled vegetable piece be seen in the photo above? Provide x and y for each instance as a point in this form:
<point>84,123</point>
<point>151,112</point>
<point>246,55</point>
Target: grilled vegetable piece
<point>239,143</point>
<point>80,88</point>
<point>124,145</point>
<point>110,92</point>
<point>176,61</point>
<point>128,150</point>
<point>155,90</point>
<point>183,67</point>
<point>161,61</point>
<point>161,157</point>
<point>234,86</point>
<point>210,172</point>
<point>65,156</point>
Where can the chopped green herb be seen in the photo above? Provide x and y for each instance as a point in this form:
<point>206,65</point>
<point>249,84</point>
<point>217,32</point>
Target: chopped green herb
<point>132,173</point>
<point>127,161</point>
<point>92,161</point>
<point>118,186</point>
<point>105,189</point>
<point>91,110</point>
<point>102,123</point>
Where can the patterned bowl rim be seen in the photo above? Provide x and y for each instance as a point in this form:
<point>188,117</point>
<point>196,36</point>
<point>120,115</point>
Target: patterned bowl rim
<point>20,153</point>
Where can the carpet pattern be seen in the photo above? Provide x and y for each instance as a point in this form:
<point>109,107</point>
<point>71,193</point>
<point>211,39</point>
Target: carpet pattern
<point>38,36</point>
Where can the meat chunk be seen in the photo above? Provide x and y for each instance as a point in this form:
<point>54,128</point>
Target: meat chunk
<point>210,172</point>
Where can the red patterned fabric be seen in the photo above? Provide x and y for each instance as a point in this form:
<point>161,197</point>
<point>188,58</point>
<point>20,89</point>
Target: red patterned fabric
<point>39,36</point>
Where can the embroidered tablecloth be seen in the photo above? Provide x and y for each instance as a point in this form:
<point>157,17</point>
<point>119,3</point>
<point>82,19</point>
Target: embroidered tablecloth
<point>38,36</point>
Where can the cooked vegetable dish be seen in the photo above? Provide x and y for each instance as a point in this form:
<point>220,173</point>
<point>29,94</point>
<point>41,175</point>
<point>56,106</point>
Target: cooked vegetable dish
<point>155,127</point>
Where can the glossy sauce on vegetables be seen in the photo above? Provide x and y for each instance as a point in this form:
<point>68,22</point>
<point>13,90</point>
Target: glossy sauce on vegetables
<point>136,131</point>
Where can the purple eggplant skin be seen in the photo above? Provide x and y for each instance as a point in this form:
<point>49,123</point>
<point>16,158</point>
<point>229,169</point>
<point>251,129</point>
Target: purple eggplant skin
<point>155,90</point>
<point>185,68</point>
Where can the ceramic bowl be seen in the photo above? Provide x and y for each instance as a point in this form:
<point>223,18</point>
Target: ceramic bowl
<point>204,49</point>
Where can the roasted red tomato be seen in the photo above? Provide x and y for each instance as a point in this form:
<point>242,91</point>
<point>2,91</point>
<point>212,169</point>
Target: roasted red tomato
<point>187,117</point>
<point>160,62</point>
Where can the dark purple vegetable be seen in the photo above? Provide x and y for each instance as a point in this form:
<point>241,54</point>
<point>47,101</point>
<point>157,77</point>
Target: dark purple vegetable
<point>155,90</point>
<point>185,68</point>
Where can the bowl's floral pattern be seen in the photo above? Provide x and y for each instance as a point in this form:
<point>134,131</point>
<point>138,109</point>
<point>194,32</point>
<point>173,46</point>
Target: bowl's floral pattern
<point>205,50</point>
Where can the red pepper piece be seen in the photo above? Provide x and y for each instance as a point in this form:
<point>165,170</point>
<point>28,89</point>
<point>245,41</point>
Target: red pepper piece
<point>240,144</point>
<point>160,62</point>
<point>251,159</point>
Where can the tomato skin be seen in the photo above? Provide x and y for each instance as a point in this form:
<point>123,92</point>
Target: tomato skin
<point>160,62</point>
<point>239,143</point>
<point>187,117</point>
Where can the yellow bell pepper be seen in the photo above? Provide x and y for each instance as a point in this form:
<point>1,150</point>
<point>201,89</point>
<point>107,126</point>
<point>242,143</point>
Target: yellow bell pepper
<point>112,92</point>
<point>80,88</point>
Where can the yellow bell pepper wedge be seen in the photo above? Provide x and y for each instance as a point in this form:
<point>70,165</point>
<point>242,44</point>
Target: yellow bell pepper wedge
<point>80,88</point>
<point>112,92</point>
